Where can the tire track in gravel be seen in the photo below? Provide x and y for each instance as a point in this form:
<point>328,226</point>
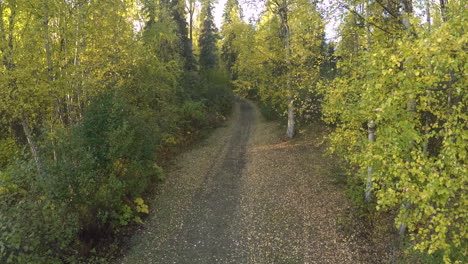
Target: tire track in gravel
<point>210,233</point>
<point>207,225</point>
<point>245,195</point>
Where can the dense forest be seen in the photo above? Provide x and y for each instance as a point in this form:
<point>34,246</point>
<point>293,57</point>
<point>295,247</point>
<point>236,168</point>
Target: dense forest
<point>96,95</point>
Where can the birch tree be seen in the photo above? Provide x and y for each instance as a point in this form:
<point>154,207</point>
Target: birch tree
<point>407,89</point>
<point>285,57</point>
<point>231,29</point>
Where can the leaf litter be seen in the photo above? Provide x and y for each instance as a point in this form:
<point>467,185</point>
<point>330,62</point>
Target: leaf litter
<point>247,195</point>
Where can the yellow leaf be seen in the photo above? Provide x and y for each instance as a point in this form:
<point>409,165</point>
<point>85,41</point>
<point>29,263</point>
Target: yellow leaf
<point>138,220</point>
<point>139,201</point>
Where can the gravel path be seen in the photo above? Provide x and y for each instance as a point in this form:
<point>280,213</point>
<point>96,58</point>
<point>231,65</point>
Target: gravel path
<point>244,195</point>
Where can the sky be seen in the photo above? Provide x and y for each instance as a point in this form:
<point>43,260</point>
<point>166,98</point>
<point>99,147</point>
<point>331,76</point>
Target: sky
<point>248,10</point>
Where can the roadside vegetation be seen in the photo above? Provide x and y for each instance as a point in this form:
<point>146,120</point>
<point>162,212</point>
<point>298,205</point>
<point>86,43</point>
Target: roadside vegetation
<point>88,108</point>
<point>94,95</point>
<point>393,87</point>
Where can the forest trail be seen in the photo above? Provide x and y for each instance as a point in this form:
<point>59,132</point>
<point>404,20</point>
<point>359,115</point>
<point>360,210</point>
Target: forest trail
<point>245,195</point>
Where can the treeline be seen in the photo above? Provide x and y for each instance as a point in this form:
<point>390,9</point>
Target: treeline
<point>278,60</point>
<point>399,104</point>
<point>393,88</point>
<point>92,95</point>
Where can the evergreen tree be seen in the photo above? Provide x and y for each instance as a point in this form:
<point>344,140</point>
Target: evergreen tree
<point>232,10</point>
<point>208,37</point>
<point>177,8</point>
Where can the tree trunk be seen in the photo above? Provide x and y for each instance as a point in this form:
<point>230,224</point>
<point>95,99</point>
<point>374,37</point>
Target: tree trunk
<point>7,51</point>
<point>73,99</point>
<point>283,12</point>
<point>428,14</point>
<point>191,12</point>
<point>2,33</point>
<point>371,138</point>
<point>370,123</point>
<point>407,12</point>
<point>443,10</point>
<point>290,131</point>
<point>291,117</point>
<point>47,41</point>
<point>32,146</point>
<point>426,117</point>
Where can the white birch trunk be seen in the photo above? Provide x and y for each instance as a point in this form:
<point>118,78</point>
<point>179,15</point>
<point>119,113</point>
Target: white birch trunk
<point>191,11</point>
<point>290,131</point>
<point>426,121</point>
<point>283,12</point>
<point>407,11</point>
<point>371,138</point>
<point>32,146</point>
<point>47,41</point>
<point>370,123</point>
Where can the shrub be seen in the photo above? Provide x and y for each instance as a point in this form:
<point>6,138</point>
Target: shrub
<point>92,171</point>
<point>8,150</point>
<point>192,116</point>
<point>96,173</point>
<point>216,91</point>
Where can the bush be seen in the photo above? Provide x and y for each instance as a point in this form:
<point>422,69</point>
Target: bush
<point>35,227</point>
<point>98,166</point>
<point>216,91</point>
<point>192,116</point>
<point>96,172</point>
<point>8,150</point>
<point>268,111</point>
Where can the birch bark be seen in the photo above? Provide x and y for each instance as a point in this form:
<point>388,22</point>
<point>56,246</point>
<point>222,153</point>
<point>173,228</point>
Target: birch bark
<point>286,35</point>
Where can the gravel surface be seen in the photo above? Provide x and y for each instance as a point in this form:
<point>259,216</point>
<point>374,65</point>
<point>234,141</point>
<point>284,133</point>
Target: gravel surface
<point>245,195</point>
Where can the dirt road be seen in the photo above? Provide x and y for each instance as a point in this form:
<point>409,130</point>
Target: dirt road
<point>245,195</point>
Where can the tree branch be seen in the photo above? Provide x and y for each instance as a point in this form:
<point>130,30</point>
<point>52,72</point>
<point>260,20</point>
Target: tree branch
<point>387,9</point>
<point>364,20</point>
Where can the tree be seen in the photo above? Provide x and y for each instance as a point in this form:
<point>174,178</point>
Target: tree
<point>177,8</point>
<point>281,8</point>
<point>232,23</point>
<point>285,58</point>
<point>208,37</point>
<point>190,7</point>
<point>407,91</point>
